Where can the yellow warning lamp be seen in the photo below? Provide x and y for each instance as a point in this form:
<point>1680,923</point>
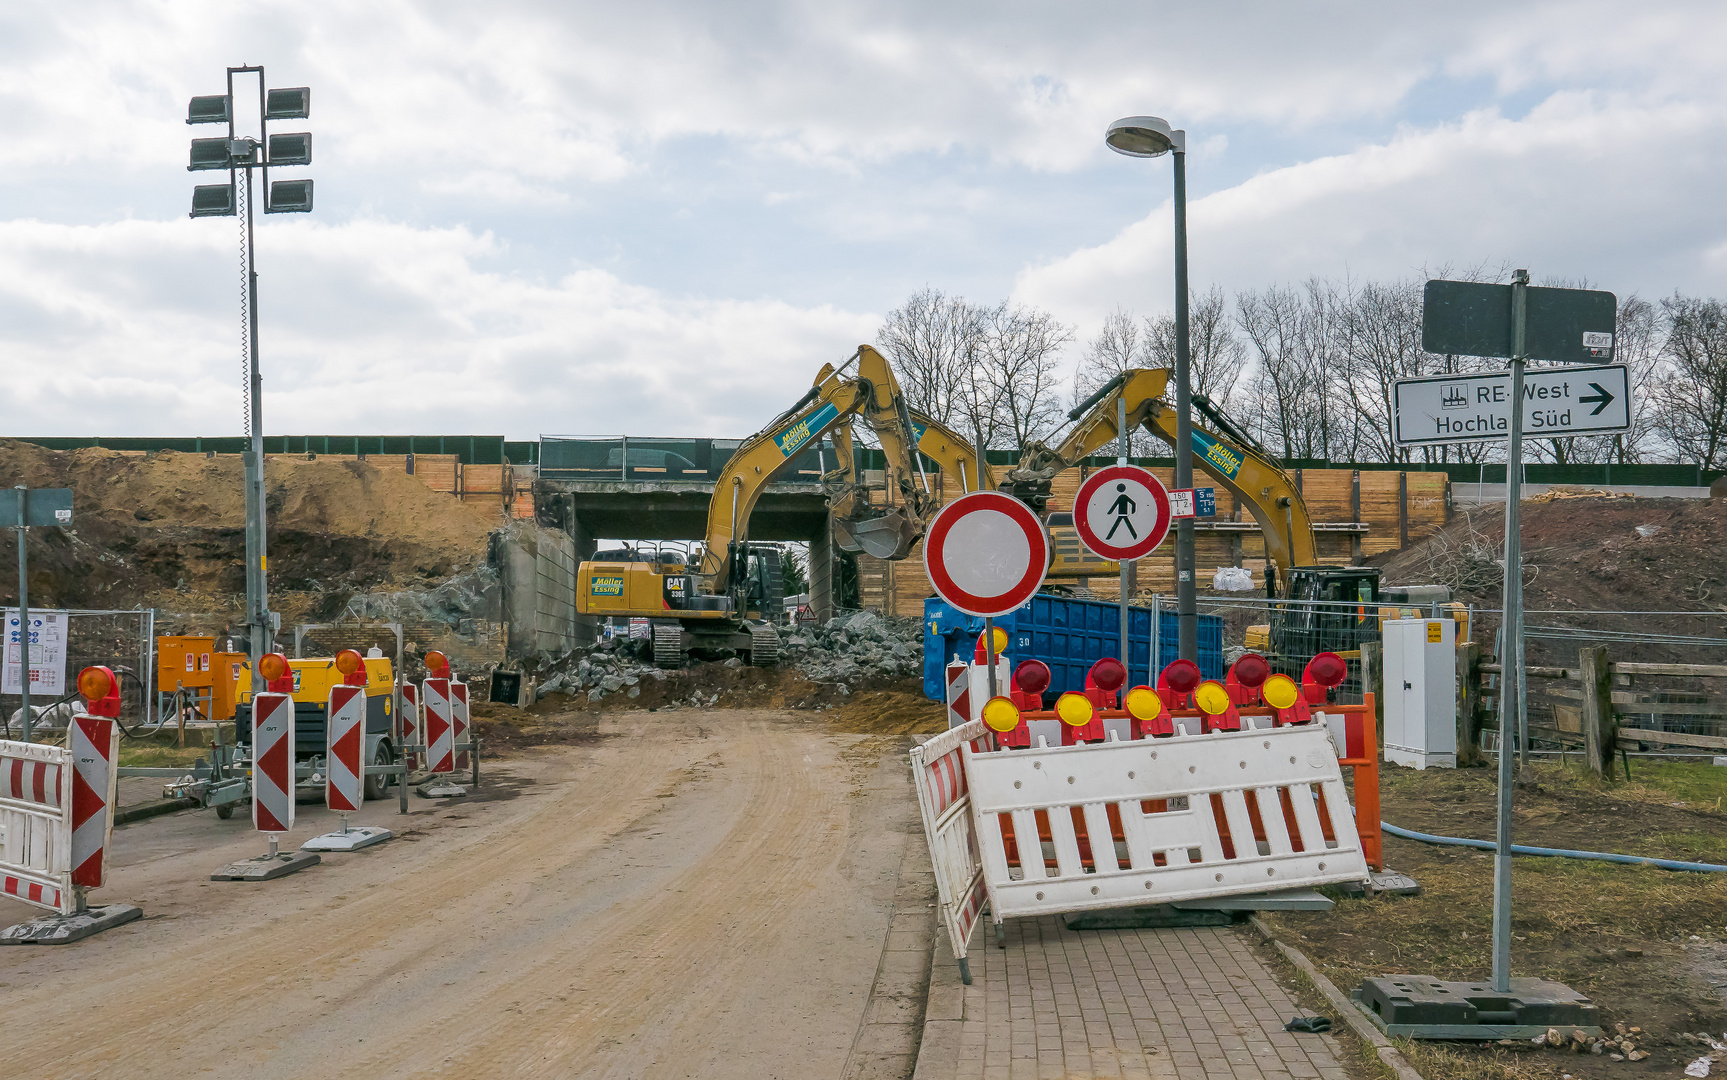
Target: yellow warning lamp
<point>1142,703</point>
<point>997,639</point>
<point>352,666</point>
<point>1000,714</point>
<point>437,665</point>
<point>1074,708</point>
<point>274,668</point>
<point>1212,698</point>
<point>1280,691</point>
<point>100,690</point>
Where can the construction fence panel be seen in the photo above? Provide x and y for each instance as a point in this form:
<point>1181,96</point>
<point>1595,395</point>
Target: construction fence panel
<point>938,773</point>
<point>122,641</point>
<point>36,824</point>
<point>1125,824</point>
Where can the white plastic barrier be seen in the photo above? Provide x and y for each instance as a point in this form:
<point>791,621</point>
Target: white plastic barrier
<point>57,815</point>
<point>36,824</point>
<point>938,773</point>
<point>1188,812</point>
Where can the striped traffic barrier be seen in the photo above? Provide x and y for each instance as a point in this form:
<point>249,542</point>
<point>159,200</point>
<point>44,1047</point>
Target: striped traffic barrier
<point>412,726</point>
<point>344,761</point>
<point>460,723</point>
<point>272,777</point>
<point>436,695</point>
<point>944,802</point>
<point>958,693</point>
<point>57,820</point>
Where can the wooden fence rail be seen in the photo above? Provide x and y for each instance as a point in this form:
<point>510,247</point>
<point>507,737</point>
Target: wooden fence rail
<point>1616,709</point>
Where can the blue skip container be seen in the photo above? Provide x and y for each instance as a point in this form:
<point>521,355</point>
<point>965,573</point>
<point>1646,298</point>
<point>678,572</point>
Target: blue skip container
<point>1067,634</point>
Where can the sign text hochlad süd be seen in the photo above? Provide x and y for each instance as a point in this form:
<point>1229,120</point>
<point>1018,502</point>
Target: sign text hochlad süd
<point>1557,402</point>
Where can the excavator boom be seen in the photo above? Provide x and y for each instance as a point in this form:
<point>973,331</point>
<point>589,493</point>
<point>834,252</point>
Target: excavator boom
<point>1255,479</point>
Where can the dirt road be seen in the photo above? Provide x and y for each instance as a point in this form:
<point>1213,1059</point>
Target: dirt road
<point>702,894</point>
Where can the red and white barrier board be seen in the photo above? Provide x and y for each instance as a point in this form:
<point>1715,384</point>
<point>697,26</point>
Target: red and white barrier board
<point>57,815</point>
<point>95,746</point>
<point>344,763</point>
<point>440,737</point>
<point>412,725</point>
<point>273,763</point>
<point>36,824</point>
<point>958,694</point>
<point>944,800</point>
<point>460,721</point>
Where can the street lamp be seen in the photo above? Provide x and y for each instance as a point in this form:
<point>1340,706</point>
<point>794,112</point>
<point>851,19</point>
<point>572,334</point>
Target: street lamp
<point>1149,137</point>
<point>233,153</point>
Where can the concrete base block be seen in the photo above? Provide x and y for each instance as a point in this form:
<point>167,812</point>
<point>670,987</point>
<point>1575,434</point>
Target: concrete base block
<point>1422,1007</point>
<point>61,929</point>
<point>439,787</point>
<point>1390,881</point>
<point>353,839</point>
<point>266,867</point>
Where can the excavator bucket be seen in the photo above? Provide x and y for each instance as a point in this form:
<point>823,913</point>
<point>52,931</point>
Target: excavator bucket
<point>845,535</point>
<point>889,536</point>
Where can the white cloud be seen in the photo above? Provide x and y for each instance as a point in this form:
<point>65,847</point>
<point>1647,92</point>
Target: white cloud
<point>1605,189</point>
<point>377,327</point>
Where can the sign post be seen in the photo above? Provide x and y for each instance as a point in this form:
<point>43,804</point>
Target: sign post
<point>25,508</point>
<point>1519,323</point>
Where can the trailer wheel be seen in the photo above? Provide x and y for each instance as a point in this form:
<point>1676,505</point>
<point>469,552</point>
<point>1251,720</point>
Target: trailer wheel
<point>378,787</point>
<point>225,811</point>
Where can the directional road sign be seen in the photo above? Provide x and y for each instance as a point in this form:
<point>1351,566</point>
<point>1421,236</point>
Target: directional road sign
<point>986,553</point>
<point>1121,513</point>
<point>42,507</point>
<point>1557,403</point>
<point>1469,318</point>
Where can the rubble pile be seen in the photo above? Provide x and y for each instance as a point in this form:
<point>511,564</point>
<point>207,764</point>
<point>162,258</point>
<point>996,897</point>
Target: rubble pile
<point>850,649</point>
<point>601,670</point>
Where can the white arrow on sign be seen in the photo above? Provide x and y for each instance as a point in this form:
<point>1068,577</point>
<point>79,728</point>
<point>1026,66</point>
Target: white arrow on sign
<point>1557,403</point>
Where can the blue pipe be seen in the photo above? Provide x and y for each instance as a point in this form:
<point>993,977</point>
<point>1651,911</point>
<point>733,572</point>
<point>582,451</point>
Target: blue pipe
<point>1521,849</point>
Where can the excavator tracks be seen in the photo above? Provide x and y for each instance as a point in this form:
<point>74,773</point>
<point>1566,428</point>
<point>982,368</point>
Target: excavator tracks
<point>669,647</point>
<point>764,646</point>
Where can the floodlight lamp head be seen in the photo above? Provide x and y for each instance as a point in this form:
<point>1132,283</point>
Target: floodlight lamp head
<point>1144,136</point>
<point>293,103</point>
<point>209,109</point>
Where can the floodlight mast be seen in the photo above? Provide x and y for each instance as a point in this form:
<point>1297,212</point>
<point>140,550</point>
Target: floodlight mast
<point>249,154</point>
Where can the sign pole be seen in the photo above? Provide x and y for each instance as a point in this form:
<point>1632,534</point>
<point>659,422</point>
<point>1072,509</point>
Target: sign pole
<point>988,620</point>
<point>1126,564</point>
<point>23,608</point>
<point>1511,637</point>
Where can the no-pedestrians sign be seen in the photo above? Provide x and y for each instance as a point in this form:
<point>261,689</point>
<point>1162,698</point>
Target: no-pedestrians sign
<point>1557,403</point>
<point>1121,513</point>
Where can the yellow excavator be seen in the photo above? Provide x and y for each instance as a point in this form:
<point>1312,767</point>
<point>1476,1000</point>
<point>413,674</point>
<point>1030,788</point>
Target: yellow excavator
<point>727,599</point>
<point>1238,463</point>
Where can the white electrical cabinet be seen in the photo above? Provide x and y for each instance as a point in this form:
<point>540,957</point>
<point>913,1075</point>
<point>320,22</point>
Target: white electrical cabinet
<point>1421,693</point>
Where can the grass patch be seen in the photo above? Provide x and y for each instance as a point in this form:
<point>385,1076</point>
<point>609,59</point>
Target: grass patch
<point>1702,787</point>
<point>146,756</point>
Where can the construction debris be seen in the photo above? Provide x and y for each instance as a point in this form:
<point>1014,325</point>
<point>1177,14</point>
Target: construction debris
<point>847,650</point>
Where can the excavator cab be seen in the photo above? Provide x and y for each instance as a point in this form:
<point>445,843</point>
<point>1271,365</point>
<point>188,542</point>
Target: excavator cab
<point>1327,609</point>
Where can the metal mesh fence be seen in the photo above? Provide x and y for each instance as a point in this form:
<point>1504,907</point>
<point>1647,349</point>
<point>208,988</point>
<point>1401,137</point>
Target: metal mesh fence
<point>120,640</point>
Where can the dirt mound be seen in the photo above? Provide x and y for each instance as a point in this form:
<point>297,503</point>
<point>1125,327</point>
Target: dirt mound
<point>1591,554</point>
<point>149,524</point>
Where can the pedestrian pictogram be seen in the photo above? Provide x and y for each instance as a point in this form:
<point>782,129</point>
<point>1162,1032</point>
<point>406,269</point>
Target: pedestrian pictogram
<point>1121,513</point>
<point>986,553</point>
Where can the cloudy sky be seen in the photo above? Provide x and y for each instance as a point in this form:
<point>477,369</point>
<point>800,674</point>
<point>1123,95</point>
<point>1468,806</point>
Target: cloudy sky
<point>661,218</point>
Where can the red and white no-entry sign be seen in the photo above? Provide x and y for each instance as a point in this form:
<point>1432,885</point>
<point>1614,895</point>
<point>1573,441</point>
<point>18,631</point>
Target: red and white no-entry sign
<point>986,553</point>
<point>1121,513</point>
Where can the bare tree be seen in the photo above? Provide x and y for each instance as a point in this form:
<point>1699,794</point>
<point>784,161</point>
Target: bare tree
<point>1015,355</point>
<point>1380,334</point>
<point>927,339</point>
<point>1118,346</point>
<point>1691,393</point>
<point>1215,354</point>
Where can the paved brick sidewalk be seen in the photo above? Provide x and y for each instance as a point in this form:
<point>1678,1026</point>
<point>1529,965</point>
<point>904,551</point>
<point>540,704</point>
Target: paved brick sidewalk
<point>1059,1003</point>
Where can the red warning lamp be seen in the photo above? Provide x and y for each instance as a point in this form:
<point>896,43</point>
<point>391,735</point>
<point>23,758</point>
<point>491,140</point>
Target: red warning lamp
<point>1250,671</point>
<point>352,666</point>
<point>1182,676</point>
<point>277,678</point>
<point>1108,674</point>
<point>437,665</point>
<point>100,690</point>
<point>1031,677</point>
<point>1327,669</point>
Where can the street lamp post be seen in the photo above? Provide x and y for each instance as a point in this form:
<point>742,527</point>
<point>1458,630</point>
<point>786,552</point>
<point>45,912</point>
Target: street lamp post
<point>235,153</point>
<point>1149,137</point>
